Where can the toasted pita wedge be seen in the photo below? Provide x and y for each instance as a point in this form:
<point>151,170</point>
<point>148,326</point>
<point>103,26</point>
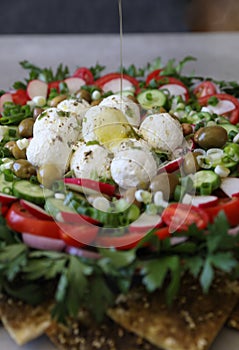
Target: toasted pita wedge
<point>24,322</point>
<point>85,334</point>
<point>192,323</point>
<point>233,321</point>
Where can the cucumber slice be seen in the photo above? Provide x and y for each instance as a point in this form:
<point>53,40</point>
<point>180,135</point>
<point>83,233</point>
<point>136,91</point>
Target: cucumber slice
<point>230,127</point>
<point>151,98</point>
<point>54,206</point>
<point>204,178</point>
<point>31,192</point>
<point>5,186</point>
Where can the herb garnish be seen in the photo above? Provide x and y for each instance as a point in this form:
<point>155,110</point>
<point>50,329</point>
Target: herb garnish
<point>93,284</point>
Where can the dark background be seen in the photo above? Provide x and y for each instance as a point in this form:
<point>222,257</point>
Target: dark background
<point>91,16</point>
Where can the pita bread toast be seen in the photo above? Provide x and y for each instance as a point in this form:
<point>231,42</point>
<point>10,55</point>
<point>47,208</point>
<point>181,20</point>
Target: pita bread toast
<point>24,322</point>
<point>191,324</point>
<point>85,334</point>
<point>233,321</point>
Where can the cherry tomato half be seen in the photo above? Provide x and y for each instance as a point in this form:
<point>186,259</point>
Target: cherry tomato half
<point>180,216</point>
<point>20,220</point>
<point>233,115</point>
<point>54,85</point>
<point>205,88</point>
<point>125,241</point>
<point>78,235</point>
<point>230,206</point>
<point>19,97</point>
<point>85,74</point>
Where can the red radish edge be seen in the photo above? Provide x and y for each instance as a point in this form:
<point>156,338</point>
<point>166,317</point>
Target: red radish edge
<point>35,210</point>
<point>44,243</point>
<point>230,186</point>
<point>7,97</point>
<point>171,166</point>
<point>7,199</point>
<point>76,218</point>
<point>37,88</point>
<point>92,184</point>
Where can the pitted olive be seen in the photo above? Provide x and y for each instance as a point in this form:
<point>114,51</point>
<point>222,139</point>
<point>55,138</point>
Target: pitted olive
<point>36,112</point>
<point>18,153</point>
<point>84,94</point>
<point>57,99</point>
<point>48,173</point>
<point>214,136</point>
<point>23,169</point>
<point>9,145</point>
<point>25,128</point>
<point>190,163</point>
<point>166,183</point>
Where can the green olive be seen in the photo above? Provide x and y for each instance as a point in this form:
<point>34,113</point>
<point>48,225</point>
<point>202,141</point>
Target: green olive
<point>214,136</point>
<point>9,145</point>
<point>18,153</point>
<point>23,169</point>
<point>25,128</point>
<point>190,163</point>
<point>166,183</point>
<point>36,112</point>
<point>57,99</point>
<point>84,94</point>
<point>48,173</point>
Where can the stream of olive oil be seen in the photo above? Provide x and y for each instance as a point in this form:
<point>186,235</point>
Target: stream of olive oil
<point>121,45</point>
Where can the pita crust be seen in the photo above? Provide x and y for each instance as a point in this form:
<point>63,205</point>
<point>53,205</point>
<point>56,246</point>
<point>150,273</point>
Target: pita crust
<point>85,334</point>
<point>192,323</point>
<point>233,321</point>
<point>24,322</point>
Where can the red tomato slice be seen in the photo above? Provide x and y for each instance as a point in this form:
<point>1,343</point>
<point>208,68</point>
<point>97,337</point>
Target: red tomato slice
<point>85,74</point>
<point>126,241</point>
<point>230,206</point>
<point>180,216</point>
<point>205,88</point>
<point>111,76</point>
<point>20,97</point>
<point>20,220</point>
<point>78,235</point>
<point>233,116</point>
<point>54,85</point>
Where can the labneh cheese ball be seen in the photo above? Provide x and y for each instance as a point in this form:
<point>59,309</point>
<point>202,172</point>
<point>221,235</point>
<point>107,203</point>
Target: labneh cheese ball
<point>162,131</point>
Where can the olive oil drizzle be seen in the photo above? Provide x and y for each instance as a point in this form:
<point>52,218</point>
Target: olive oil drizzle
<point>121,45</point>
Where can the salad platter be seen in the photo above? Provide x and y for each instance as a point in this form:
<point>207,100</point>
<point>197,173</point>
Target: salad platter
<point>117,188</point>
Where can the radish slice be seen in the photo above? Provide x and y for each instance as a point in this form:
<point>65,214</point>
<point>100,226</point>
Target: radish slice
<point>89,186</point>
<point>76,218</point>
<point>223,106</point>
<point>200,201</point>
<point>74,84</point>
<point>35,210</point>
<point>44,243</point>
<point>37,88</point>
<point>230,186</point>
<point>7,199</point>
<point>145,223</point>
<point>174,89</point>
<point>84,253</point>
<point>171,166</point>
<point>7,97</point>
<point>114,85</point>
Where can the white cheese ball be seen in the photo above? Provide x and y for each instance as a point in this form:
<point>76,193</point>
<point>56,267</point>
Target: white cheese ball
<point>105,125</point>
<point>49,150</point>
<point>78,107</point>
<point>54,122</point>
<point>162,132</point>
<point>91,162</point>
<point>133,167</point>
<point>130,109</point>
